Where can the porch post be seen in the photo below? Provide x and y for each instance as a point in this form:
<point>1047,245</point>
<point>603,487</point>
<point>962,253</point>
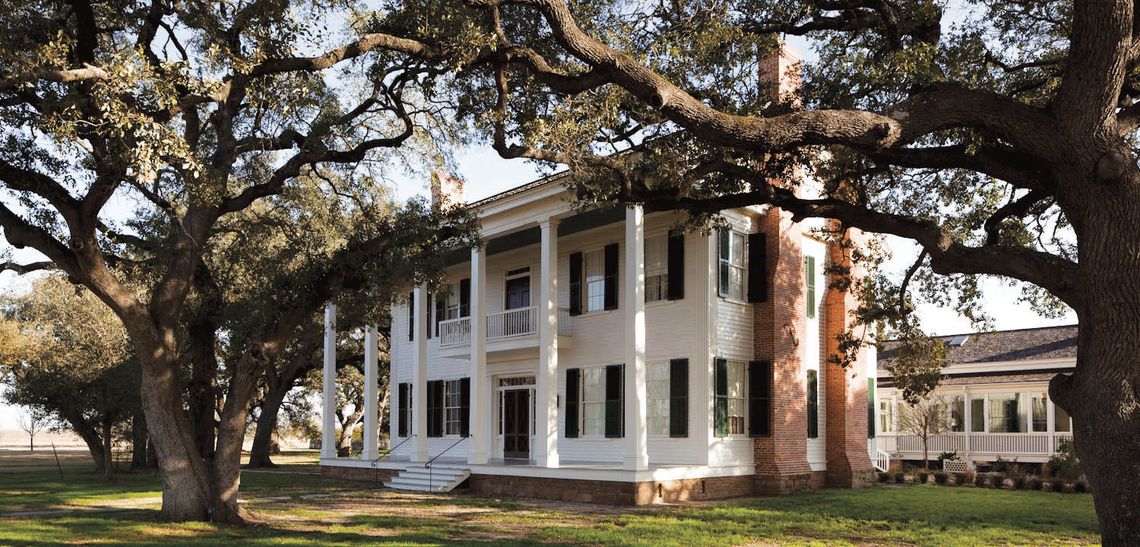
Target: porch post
<point>546,421</point>
<point>480,402</point>
<point>328,386</point>
<point>419,376</point>
<point>371,398</point>
<point>636,450</point>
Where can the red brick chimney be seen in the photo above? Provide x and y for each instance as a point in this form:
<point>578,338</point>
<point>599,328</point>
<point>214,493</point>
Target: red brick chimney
<point>781,74</point>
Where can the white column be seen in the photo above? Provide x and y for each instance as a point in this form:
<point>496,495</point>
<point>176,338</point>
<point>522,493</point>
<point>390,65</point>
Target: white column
<point>546,390</point>
<point>636,448</point>
<point>480,440</point>
<point>371,397</point>
<point>419,376</point>
<point>328,386</point>
<point>702,389</point>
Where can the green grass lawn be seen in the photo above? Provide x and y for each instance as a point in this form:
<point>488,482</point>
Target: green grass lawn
<point>928,515</point>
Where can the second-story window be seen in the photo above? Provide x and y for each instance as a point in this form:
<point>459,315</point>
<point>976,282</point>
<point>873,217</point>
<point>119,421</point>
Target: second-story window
<point>730,252</point>
<point>656,269</point>
<point>595,281</point>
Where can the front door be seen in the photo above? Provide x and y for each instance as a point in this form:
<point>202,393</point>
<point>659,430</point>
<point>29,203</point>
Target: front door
<point>516,423</point>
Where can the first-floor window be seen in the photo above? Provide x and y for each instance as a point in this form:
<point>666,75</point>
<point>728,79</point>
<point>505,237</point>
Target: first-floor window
<point>887,415</point>
<point>1040,422</point>
<point>731,398</point>
<point>1061,420</point>
<point>978,415</point>
<point>594,401</point>
<point>957,413</point>
<point>657,391</point>
<point>813,403</point>
<point>1007,413</point>
<point>452,407</point>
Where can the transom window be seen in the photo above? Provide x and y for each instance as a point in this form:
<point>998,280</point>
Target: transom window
<point>657,391</point>
<point>731,258</point>
<point>452,407</point>
<point>656,268</point>
<point>595,281</point>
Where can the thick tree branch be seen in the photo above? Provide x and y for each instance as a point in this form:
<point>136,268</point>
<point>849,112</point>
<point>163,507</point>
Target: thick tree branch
<point>1100,40</point>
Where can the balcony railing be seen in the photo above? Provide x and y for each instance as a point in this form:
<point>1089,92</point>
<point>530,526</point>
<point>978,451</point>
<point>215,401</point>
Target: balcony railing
<point>505,324</point>
<point>984,443</point>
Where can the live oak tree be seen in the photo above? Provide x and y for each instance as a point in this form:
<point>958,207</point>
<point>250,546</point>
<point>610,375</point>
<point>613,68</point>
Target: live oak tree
<point>998,136</point>
<point>192,112</point>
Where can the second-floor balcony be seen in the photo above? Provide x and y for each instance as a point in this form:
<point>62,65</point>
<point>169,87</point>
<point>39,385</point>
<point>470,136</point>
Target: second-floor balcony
<point>514,324</point>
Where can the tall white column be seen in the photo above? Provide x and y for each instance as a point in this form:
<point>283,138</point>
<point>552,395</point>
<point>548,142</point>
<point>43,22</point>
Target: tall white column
<point>328,386</point>
<point>546,390</point>
<point>419,376</point>
<point>371,397</point>
<point>480,440</point>
<point>636,448</point>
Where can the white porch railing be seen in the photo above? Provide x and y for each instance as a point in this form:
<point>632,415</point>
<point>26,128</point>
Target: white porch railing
<point>1012,444</point>
<point>505,324</point>
<point>882,461</point>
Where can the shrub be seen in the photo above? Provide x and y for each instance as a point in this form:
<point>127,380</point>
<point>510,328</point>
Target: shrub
<point>900,477</point>
<point>946,456</point>
<point>940,477</point>
<point>883,476</point>
<point>997,480</point>
<point>1057,485</point>
<point>1064,464</point>
<point>1080,487</point>
<point>1036,484</point>
<point>960,479</point>
<point>980,481</point>
<point>1019,483</point>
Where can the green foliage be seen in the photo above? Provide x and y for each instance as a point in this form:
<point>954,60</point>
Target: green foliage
<point>900,478</point>
<point>1064,464</point>
<point>940,478</point>
<point>997,480</point>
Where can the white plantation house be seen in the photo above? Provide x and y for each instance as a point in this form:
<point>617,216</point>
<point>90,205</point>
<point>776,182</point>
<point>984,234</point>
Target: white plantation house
<point>995,389</point>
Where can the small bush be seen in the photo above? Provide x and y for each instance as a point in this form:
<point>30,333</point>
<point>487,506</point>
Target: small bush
<point>1057,485</point>
<point>1080,487</point>
<point>1019,483</point>
<point>960,479</point>
<point>1036,484</point>
<point>997,480</point>
<point>900,477</point>
<point>940,478</point>
<point>980,481</point>
<point>884,477</point>
<point>1064,464</point>
<point>922,477</point>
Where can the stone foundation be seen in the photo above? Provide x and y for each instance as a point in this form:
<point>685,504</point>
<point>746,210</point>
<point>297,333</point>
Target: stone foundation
<point>358,473</point>
<point>613,492</point>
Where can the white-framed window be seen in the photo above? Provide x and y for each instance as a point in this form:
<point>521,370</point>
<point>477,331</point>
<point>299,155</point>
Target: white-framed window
<point>1061,421</point>
<point>1007,413</point>
<point>957,416</point>
<point>656,268</point>
<point>737,398</point>
<point>887,415</point>
<point>595,280</point>
<point>452,407</point>
<point>1039,419</point>
<point>594,402</point>
<point>657,393</point>
<point>451,303</point>
<point>731,260</point>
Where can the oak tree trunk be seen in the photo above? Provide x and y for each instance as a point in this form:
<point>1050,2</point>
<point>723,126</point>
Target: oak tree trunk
<point>203,383</point>
<point>226,466</point>
<point>260,452</point>
<point>108,447</point>
<point>138,442</point>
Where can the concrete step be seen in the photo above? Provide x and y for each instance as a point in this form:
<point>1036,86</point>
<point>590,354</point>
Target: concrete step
<point>417,479</point>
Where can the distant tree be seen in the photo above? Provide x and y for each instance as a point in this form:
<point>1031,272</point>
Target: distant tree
<point>31,422</point>
<point>925,419</point>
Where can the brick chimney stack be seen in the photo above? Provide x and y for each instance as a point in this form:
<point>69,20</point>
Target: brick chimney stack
<point>781,74</point>
<point>446,191</point>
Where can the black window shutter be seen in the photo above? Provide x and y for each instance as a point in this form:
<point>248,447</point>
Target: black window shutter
<point>465,407</point>
<point>615,390</point>
<point>722,251</point>
<point>813,404</point>
<point>572,391</point>
<point>465,297</point>
<point>720,403</point>
<point>411,316</point>
<point>870,408</point>
<point>403,404</point>
<point>676,265</point>
<point>759,398</point>
<point>809,280</point>
<point>679,398</point>
<point>757,268</point>
<point>575,283</point>
<point>440,310</point>
<point>435,408</point>
<point>611,277</point>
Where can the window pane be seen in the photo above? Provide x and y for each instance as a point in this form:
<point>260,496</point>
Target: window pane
<point>957,413</point>
<point>657,388</point>
<point>978,415</point>
<point>1006,413</point>
<point>1040,412</point>
<point>887,416</point>
<point>595,281</point>
<point>1061,420</point>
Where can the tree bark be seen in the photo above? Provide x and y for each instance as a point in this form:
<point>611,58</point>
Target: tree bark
<point>92,439</point>
<point>226,466</point>
<point>138,442</point>
<point>259,453</point>
<point>108,453</point>
<point>203,383</point>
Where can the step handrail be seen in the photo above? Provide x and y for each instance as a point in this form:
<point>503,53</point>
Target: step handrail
<point>376,461</point>
<point>429,462</point>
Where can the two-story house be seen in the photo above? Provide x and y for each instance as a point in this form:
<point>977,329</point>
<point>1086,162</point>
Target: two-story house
<point>604,356</point>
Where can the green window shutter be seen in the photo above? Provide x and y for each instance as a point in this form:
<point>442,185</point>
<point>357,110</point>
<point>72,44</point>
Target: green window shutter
<point>404,404</point>
<point>615,393</point>
<point>679,398</point>
<point>575,283</point>
<point>759,398</point>
<point>722,253</point>
<point>572,392</point>
<point>813,404</point>
<point>435,408</point>
<point>610,279</point>
<point>465,407</point>
<point>809,280</point>
<point>676,265</point>
<point>870,408</point>
<point>411,316</point>
<point>720,400</point>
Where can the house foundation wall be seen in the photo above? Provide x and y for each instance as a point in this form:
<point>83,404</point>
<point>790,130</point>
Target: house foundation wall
<point>613,492</point>
<point>358,473</point>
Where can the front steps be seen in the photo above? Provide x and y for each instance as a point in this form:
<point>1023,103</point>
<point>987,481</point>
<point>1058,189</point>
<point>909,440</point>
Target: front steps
<point>442,477</point>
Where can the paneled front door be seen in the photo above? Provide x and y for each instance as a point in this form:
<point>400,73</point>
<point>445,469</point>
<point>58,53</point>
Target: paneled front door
<point>516,423</point>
